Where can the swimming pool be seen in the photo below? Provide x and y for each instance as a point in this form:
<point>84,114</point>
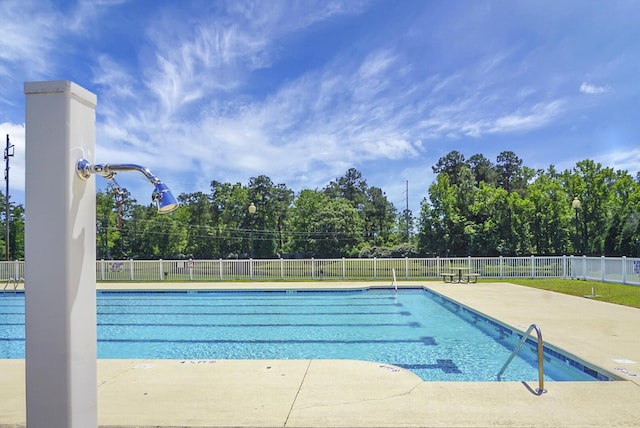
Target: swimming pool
<point>412,328</point>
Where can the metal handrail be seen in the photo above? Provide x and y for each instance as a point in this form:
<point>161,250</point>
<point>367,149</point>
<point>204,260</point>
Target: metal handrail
<point>540,389</point>
<point>16,283</point>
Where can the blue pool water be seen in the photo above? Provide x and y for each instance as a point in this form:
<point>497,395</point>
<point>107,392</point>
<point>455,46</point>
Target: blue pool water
<point>415,329</point>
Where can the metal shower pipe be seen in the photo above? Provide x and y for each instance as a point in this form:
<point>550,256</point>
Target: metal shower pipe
<point>161,194</point>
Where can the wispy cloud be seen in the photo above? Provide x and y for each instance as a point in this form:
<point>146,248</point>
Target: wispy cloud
<point>534,117</point>
<point>29,30</point>
<point>187,109</point>
<point>625,160</point>
<point>292,132</point>
<point>588,88</point>
<point>215,53</point>
<point>478,116</point>
<point>33,30</point>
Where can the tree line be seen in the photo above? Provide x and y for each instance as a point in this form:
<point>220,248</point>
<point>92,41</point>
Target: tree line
<point>474,207</point>
<point>337,221</point>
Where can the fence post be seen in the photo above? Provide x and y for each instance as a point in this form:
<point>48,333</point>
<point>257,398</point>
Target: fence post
<point>584,266</point>
<point>344,268</point>
<point>375,268</point>
<point>564,267</point>
<point>251,269</point>
<point>624,269</point>
<point>281,268</point>
<point>602,268</point>
<point>533,266</point>
<point>161,269</point>
<point>313,268</point>
<point>572,266</point>
<point>500,267</point>
<point>406,268</point>
<point>102,269</point>
<point>221,269</point>
<point>131,269</point>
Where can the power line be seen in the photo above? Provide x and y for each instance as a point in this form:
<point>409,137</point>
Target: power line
<point>234,233</point>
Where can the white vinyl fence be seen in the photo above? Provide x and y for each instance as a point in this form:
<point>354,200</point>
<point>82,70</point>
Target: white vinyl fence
<point>607,269</point>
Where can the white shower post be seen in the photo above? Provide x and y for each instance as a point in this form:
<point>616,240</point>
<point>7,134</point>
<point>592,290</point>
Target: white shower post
<point>60,257</point>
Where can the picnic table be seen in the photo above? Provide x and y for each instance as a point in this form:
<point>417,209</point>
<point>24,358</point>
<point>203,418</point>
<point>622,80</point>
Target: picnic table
<point>460,272</point>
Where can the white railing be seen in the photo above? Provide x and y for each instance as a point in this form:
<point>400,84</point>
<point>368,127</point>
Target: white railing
<point>11,269</point>
<point>607,269</point>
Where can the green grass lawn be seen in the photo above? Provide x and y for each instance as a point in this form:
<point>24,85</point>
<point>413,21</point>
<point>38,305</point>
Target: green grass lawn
<point>628,295</point>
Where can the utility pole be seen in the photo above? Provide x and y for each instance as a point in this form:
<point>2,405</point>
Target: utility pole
<point>8,152</point>
<point>406,209</point>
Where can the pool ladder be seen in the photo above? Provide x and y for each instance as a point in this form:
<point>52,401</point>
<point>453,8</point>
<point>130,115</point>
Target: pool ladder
<point>16,283</point>
<point>540,389</point>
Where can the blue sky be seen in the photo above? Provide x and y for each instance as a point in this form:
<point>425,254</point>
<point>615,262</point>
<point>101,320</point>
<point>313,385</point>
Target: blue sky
<point>302,91</point>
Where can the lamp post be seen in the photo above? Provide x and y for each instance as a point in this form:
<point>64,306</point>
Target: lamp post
<point>252,210</point>
<point>576,206</point>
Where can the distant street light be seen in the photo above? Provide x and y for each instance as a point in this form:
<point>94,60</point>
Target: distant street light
<point>252,210</point>
<point>576,206</point>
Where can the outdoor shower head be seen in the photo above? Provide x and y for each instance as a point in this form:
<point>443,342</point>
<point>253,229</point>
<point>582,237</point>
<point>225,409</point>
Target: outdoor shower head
<point>161,194</point>
<point>163,198</point>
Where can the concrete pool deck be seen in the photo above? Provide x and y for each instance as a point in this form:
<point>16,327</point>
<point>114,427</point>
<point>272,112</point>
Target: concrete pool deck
<point>322,393</point>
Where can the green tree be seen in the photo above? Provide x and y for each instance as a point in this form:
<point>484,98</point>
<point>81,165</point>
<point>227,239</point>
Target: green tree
<point>302,221</point>
<point>450,164</point>
<point>511,175</point>
<point>106,222</point>
<point>351,186</point>
<point>379,217</point>
<point>16,230</point>
<point>272,204</point>
<point>441,230</point>
<point>232,220</point>
<point>622,232</point>
<point>153,236</point>
<point>324,227</point>
<point>492,226</point>
<point>483,170</point>
<point>284,199</point>
<point>337,229</point>
<point>551,223</point>
<point>521,214</point>
<point>141,247</point>
<point>405,224</point>
<point>592,184</point>
<point>201,239</point>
